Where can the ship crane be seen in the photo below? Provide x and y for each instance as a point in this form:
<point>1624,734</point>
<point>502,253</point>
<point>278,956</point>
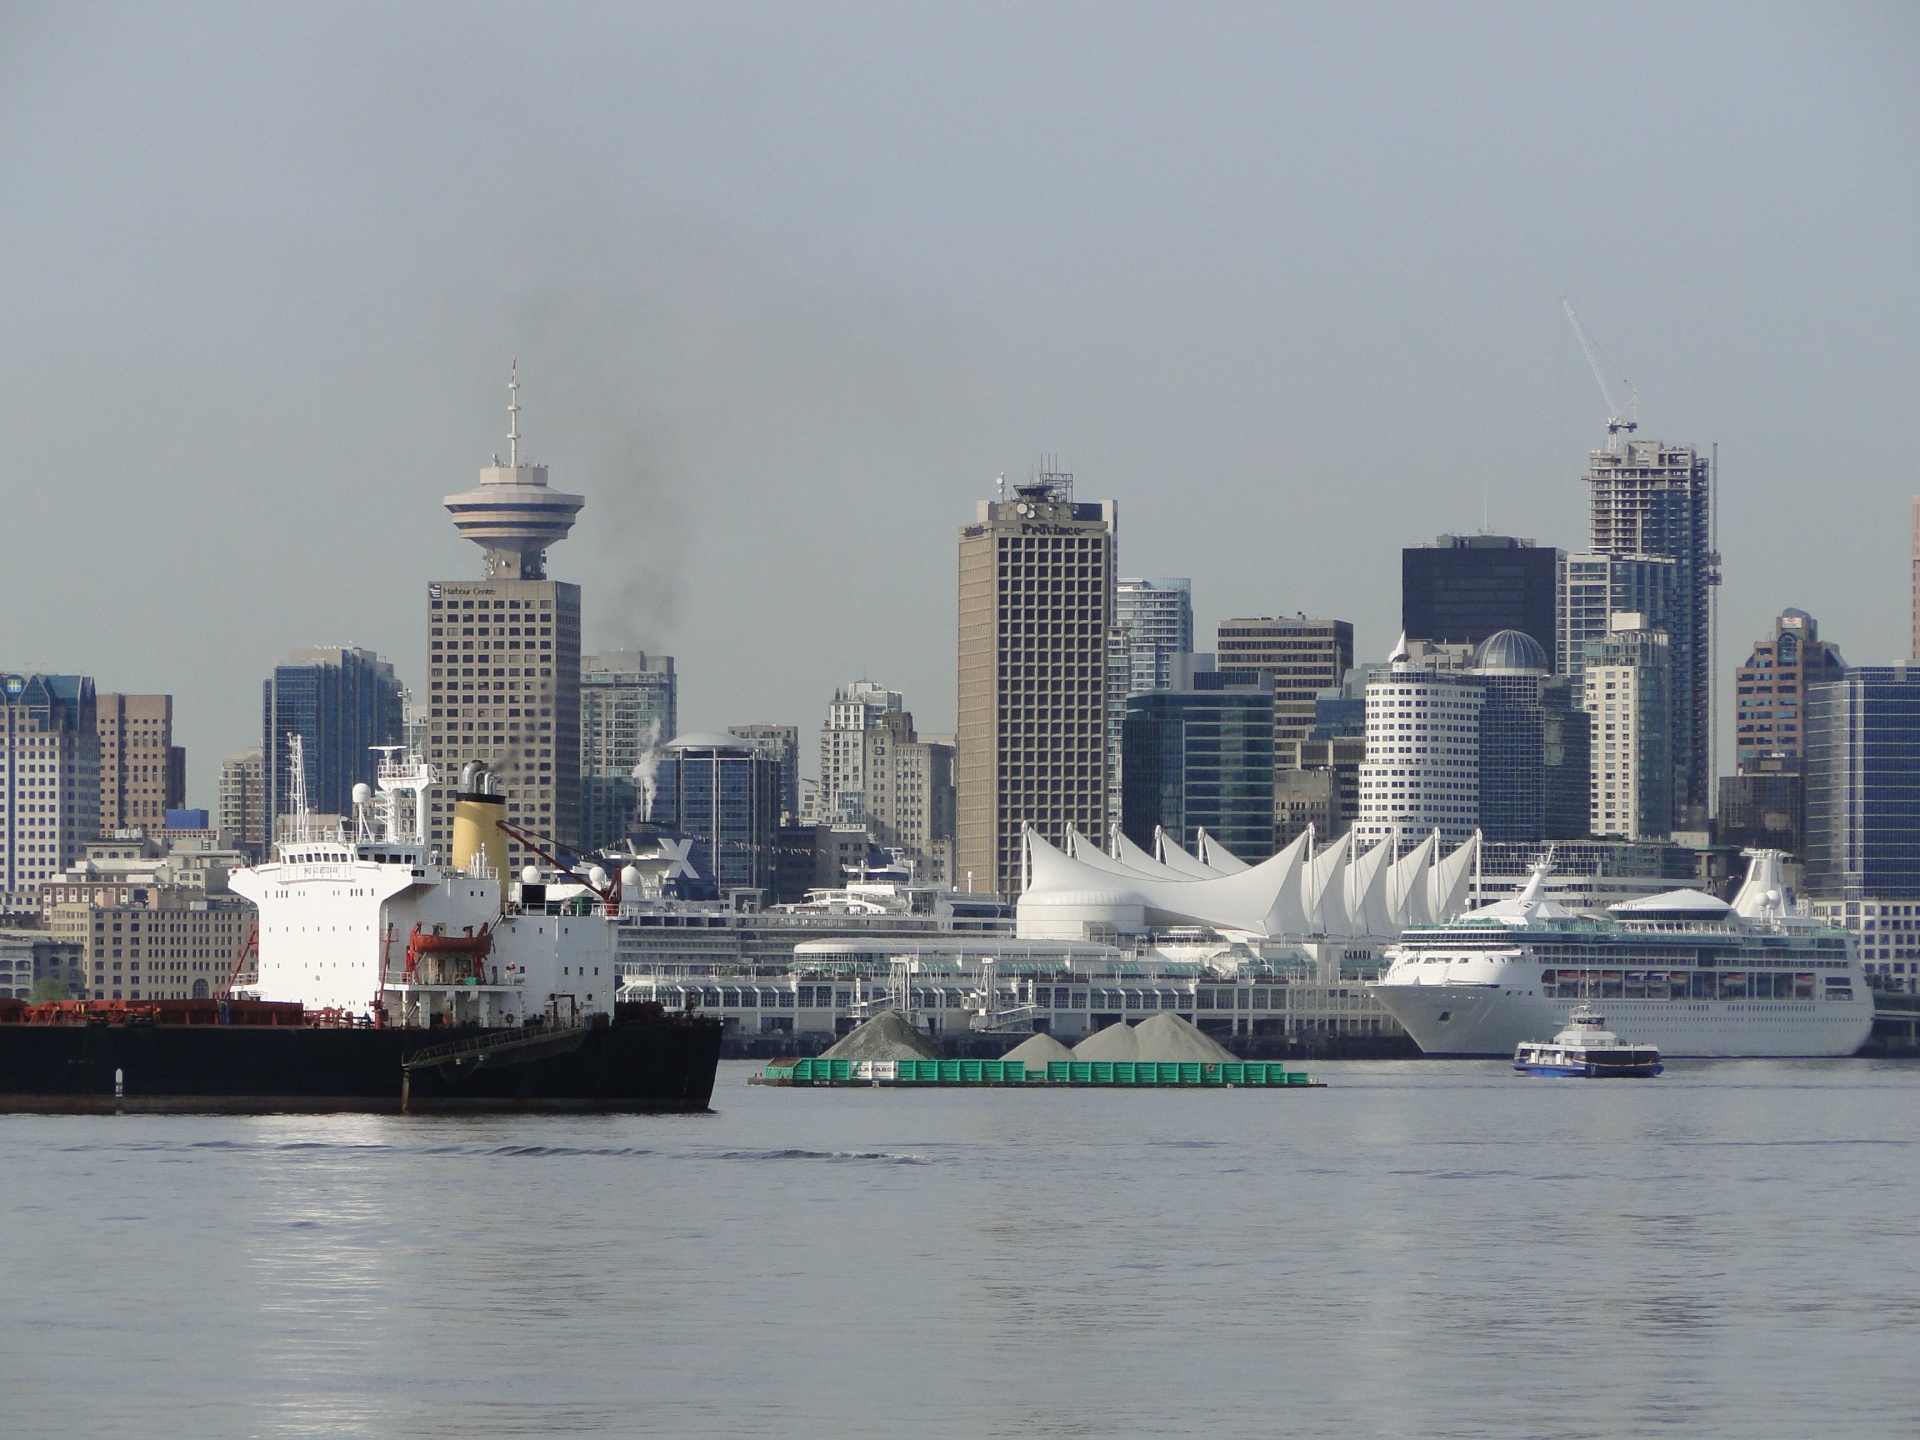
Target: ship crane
<point>1616,421</point>
<point>609,893</point>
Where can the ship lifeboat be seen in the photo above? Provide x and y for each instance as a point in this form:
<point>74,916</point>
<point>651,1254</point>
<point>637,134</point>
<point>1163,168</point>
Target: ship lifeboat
<point>471,947</point>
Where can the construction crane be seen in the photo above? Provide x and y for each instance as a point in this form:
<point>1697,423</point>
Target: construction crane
<point>1616,422</point>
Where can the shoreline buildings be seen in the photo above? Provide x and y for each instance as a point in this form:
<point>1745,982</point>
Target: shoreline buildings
<point>1863,813</point>
<point>1763,803</point>
<point>143,774</point>
<point>724,795</point>
<point>629,710</point>
<point>1648,498</point>
<point>1152,628</point>
<point>1535,758</point>
<point>504,655</point>
<point>878,776</point>
<point>1199,759</point>
<point>242,814</point>
<point>780,744</point>
<point>1627,689</point>
<point>1464,588</point>
<point>1036,611</point>
<point>1422,769</point>
<point>341,701</point>
<point>49,776</point>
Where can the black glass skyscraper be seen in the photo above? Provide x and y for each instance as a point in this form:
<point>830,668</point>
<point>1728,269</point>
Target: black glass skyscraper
<point>1465,588</point>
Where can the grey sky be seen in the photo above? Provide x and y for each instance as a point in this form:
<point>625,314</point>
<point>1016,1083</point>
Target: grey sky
<point>790,285</point>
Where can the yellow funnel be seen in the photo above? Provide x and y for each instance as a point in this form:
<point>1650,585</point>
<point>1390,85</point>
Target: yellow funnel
<point>478,839</point>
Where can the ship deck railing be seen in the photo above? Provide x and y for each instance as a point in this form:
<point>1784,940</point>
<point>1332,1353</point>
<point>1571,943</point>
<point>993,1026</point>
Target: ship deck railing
<point>494,1041</point>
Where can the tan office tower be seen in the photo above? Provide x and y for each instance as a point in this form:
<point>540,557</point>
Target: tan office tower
<point>1303,656</point>
<point>140,779</point>
<point>243,803</point>
<point>503,657</point>
<point>1036,608</point>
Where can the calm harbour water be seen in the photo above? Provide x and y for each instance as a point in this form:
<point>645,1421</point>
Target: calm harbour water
<point>1423,1249</point>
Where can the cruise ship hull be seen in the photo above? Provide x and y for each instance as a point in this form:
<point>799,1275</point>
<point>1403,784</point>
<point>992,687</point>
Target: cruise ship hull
<point>665,1066</point>
<point>1482,1021</point>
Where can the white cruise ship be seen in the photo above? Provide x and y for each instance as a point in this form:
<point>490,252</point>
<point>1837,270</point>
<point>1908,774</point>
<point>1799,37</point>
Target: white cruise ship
<point>1682,971</point>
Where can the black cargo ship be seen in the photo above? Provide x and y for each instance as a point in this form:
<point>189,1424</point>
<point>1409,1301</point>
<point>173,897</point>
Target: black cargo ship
<point>258,1057</point>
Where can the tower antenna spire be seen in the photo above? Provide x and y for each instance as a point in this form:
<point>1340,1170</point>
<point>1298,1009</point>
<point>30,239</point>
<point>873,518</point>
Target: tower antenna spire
<point>513,414</point>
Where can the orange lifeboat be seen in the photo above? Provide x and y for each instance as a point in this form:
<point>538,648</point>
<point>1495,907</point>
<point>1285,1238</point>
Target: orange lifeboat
<point>476,947</point>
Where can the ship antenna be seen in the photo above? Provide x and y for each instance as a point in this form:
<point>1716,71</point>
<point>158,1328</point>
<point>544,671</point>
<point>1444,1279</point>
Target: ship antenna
<point>513,414</point>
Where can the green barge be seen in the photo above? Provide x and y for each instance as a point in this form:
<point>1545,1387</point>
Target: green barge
<point>918,1074</point>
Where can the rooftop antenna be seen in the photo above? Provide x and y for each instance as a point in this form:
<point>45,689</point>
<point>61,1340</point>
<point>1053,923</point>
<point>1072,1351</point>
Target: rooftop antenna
<point>513,414</point>
<point>1616,422</point>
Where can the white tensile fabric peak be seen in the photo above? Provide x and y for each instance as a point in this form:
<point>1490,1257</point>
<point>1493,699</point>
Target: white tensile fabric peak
<point>1175,858</point>
<point>1341,890</point>
<point>1218,857</point>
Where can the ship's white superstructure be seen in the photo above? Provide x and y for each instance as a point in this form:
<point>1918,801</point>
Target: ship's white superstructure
<point>1681,971</point>
<point>377,927</point>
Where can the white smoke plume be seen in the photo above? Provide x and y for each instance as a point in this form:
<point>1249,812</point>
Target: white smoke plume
<point>646,770</point>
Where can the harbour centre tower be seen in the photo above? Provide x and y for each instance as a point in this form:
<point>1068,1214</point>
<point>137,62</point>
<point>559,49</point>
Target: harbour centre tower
<point>503,655</point>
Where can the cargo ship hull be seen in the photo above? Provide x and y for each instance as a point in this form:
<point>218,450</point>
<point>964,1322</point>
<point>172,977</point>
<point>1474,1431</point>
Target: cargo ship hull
<point>258,1069</point>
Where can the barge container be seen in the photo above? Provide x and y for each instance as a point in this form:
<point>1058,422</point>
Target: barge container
<point>1242,1074</point>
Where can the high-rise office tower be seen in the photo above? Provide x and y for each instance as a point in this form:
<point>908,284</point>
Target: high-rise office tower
<point>142,772</point>
<point>780,744</point>
<point>1199,756</point>
<point>341,701</point>
<point>1628,686</point>
<point>1764,807</point>
<point>504,655</point>
<point>1463,588</point>
<point>1323,787</point>
<point>1534,754</point>
<point>629,710</point>
<point>1594,588</point>
<point>725,796</point>
<point>243,802</point>
<point>1863,816</point>
<point>1422,771</point>
<point>1863,802</point>
<point>1763,803</point>
<point>1916,577</point>
<point>1036,611</point>
<point>1304,657</point>
<point>1650,498</point>
<point>876,772</point>
<point>1771,688</point>
<point>1152,625</point>
<point>49,775</point>
<point>858,711</point>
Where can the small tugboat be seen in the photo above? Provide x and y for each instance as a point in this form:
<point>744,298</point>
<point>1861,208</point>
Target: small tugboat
<point>1586,1048</point>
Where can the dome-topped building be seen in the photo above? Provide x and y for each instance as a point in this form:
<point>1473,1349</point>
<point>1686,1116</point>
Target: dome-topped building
<point>1511,652</point>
